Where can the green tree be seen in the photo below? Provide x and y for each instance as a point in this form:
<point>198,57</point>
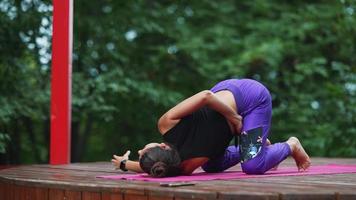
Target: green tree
<point>24,80</point>
<point>134,60</point>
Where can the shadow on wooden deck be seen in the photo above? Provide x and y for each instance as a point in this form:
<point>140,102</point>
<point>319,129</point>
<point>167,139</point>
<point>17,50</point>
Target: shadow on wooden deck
<point>78,181</point>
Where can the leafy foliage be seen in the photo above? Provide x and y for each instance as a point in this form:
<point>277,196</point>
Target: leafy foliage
<point>134,60</point>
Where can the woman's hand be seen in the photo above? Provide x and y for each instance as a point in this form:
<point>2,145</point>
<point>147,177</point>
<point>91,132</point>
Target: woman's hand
<point>117,159</point>
<point>236,121</point>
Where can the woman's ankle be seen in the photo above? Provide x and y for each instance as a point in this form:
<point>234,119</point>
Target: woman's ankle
<point>292,143</point>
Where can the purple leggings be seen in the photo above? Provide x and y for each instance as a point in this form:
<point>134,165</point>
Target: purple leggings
<point>254,104</point>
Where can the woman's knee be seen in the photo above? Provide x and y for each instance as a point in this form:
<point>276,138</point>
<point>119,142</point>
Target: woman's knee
<point>251,167</point>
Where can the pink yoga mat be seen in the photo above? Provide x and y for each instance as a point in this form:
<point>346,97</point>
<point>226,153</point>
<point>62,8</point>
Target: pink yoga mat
<point>202,176</point>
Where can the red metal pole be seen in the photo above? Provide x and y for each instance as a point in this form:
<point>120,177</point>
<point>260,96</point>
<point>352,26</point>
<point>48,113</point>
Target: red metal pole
<point>61,81</point>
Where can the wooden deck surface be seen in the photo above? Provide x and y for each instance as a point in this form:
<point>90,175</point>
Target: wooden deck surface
<point>77,181</point>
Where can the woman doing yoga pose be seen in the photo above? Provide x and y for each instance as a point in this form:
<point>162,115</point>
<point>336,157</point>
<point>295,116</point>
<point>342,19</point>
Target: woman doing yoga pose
<point>197,133</point>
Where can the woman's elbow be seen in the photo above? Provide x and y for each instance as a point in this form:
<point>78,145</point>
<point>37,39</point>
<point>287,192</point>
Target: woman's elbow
<point>207,95</point>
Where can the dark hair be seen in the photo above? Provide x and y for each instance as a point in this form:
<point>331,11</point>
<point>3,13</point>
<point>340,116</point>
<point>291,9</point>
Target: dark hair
<point>159,162</point>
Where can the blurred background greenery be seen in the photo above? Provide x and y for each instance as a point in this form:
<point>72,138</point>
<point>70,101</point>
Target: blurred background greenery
<point>133,60</point>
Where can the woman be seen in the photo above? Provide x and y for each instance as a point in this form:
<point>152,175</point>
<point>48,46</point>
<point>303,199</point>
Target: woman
<point>197,133</point>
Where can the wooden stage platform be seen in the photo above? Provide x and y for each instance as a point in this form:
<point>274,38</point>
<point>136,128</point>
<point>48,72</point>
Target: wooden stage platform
<point>77,181</point>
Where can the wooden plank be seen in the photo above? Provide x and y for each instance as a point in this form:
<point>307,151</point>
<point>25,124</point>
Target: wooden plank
<point>327,184</point>
<point>26,192</point>
<point>135,194</point>
<point>135,197</point>
<point>231,190</point>
<point>160,193</point>
<point>80,184</point>
<point>91,195</point>
<point>111,196</point>
<point>53,177</point>
<point>195,193</point>
<point>10,191</point>
<point>29,192</point>
<point>271,190</point>
<point>260,181</point>
<point>15,192</point>
<point>189,192</point>
<point>2,190</point>
<point>52,172</point>
<point>247,195</point>
<point>346,196</point>
<point>41,193</point>
<point>55,194</point>
<point>95,167</point>
<point>72,195</point>
<point>306,196</point>
<point>160,198</point>
<point>19,192</point>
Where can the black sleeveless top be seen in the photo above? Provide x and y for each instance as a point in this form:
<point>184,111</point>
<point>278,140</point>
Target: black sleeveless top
<point>204,133</point>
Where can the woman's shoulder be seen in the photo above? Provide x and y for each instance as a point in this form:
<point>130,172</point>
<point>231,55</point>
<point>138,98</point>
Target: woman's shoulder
<point>188,166</point>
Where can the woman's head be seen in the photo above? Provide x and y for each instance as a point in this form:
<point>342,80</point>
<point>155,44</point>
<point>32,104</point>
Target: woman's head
<point>159,160</point>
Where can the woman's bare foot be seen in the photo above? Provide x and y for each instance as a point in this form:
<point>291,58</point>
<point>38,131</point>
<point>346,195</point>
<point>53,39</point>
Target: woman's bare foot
<point>301,158</point>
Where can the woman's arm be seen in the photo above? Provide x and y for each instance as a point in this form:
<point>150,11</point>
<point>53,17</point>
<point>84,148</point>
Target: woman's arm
<point>193,103</point>
<point>133,166</point>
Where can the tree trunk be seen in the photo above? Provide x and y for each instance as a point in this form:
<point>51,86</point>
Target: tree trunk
<point>83,139</point>
<point>29,129</point>
<point>46,136</point>
<point>15,144</point>
<point>74,141</point>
